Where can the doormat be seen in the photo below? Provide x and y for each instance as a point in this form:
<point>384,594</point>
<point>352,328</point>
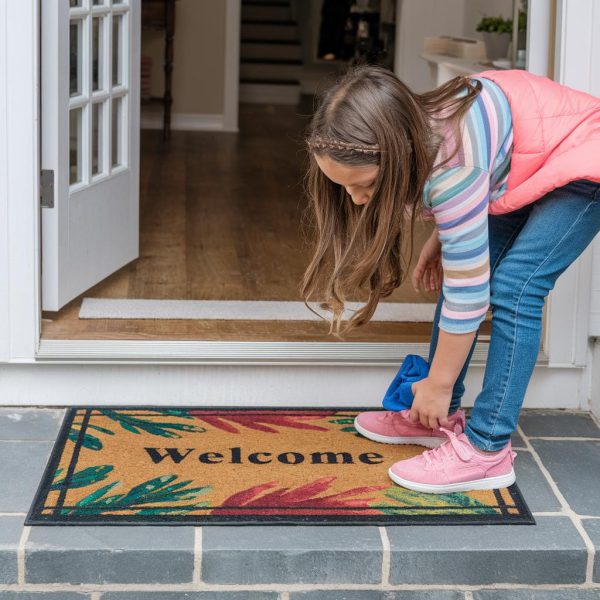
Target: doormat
<point>239,466</point>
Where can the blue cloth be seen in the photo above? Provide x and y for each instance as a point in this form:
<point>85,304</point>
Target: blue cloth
<point>399,395</point>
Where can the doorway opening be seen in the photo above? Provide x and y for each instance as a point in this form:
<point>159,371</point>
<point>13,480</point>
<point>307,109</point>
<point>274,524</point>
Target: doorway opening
<point>221,212</point>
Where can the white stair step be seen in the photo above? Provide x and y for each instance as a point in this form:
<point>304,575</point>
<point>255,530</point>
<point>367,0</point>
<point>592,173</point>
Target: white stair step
<point>270,51</point>
<point>269,93</point>
<point>264,70</point>
<point>268,12</point>
<point>262,30</point>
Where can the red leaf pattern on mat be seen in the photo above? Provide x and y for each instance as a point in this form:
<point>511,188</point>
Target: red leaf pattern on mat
<point>261,422</point>
<point>302,496</point>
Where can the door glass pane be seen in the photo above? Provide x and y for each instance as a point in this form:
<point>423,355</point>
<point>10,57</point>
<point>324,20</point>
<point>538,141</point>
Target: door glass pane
<point>117,129</point>
<point>117,50</point>
<point>75,145</point>
<point>75,59</point>
<point>97,138</point>
<point>97,54</point>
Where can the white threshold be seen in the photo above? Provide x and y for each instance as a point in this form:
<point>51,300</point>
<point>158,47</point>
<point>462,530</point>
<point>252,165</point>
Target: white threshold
<point>245,310</point>
<point>242,353</point>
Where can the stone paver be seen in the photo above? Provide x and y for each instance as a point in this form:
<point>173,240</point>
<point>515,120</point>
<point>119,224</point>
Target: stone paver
<point>10,534</point>
<point>297,554</point>
<point>17,496</point>
<point>550,552</point>
<point>377,595</point>
<point>19,423</point>
<point>189,596</point>
<point>564,594</point>
<point>109,554</point>
<point>592,526</point>
<point>575,467</point>
<point>517,441</point>
<point>535,488</point>
<point>558,423</point>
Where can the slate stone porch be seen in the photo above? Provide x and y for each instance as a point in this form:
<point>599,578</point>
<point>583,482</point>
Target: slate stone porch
<point>558,470</point>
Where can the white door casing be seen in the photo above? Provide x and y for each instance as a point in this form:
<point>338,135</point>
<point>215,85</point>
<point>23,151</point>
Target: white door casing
<point>90,56</point>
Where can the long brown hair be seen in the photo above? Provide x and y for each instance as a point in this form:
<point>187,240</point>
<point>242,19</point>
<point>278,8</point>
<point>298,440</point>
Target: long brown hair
<point>369,117</point>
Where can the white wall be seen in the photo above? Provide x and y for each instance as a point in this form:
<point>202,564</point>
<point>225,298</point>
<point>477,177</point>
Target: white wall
<point>476,9</point>
<point>595,299</point>
<point>19,174</point>
<point>198,57</point>
<point>418,19</point>
<point>3,190</point>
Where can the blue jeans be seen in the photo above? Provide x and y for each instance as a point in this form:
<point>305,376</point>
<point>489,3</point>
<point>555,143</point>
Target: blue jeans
<point>528,248</point>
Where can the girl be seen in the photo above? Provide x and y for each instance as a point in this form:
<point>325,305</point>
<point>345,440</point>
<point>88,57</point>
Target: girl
<point>507,164</point>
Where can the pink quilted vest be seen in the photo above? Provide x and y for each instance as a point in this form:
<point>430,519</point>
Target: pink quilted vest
<point>556,137</point>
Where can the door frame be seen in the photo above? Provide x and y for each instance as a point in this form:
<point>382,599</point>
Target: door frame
<point>20,265</point>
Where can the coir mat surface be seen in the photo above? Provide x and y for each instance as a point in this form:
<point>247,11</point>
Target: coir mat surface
<point>185,465</point>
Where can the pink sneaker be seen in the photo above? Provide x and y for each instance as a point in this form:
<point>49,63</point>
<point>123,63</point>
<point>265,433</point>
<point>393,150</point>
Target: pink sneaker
<point>395,427</point>
<point>455,467</point>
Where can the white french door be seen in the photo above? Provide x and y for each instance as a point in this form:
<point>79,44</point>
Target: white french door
<point>90,56</point>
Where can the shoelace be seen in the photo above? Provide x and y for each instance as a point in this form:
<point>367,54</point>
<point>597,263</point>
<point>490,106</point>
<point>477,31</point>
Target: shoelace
<point>438,455</point>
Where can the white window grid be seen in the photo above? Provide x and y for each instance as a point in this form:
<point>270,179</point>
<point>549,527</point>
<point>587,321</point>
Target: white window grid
<point>107,11</point>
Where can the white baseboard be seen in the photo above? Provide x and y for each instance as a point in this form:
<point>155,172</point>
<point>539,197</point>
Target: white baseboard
<point>185,122</point>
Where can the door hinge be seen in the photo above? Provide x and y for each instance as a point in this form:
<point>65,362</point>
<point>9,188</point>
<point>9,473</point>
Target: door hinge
<point>47,188</point>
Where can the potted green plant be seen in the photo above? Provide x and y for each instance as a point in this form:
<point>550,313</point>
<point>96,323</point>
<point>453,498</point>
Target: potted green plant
<point>497,33</point>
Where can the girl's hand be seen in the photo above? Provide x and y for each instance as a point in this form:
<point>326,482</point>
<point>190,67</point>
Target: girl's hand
<point>428,270</point>
<point>431,403</point>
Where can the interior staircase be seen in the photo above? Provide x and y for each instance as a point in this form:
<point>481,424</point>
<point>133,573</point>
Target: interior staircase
<point>270,53</point>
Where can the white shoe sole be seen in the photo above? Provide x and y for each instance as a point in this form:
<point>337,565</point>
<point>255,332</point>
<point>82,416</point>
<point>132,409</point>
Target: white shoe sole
<point>430,442</point>
<point>489,483</point>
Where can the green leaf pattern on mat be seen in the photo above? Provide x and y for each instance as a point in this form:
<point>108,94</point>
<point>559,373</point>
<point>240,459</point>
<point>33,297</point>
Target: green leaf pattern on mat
<point>83,478</point>
<point>151,491</point>
<point>404,497</point>
<point>345,421</point>
<point>134,425</point>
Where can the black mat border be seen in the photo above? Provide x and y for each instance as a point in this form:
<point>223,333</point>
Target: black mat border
<point>34,516</point>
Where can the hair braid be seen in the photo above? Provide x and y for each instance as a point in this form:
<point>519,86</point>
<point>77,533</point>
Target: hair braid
<point>321,142</point>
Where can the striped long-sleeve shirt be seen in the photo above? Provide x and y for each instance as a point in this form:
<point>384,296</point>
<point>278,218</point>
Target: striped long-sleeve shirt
<point>458,195</point>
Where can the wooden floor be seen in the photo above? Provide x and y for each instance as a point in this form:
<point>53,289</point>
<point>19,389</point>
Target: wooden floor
<point>220,217</point>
